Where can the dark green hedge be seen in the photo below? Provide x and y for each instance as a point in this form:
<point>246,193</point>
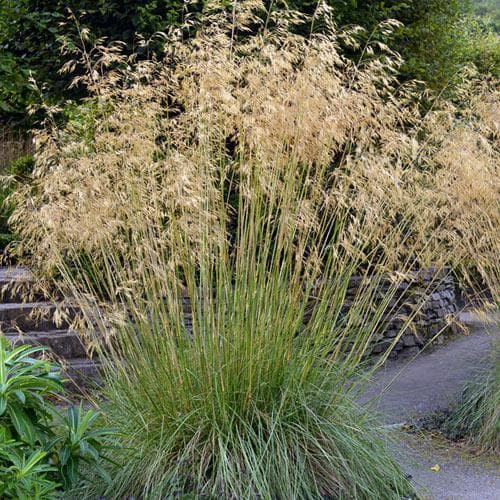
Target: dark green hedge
<point>436,41</point>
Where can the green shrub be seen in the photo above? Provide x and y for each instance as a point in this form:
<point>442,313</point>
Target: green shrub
<point>41,450</point>
<point>476,418</point>
<point>484,49</point>
<point>432,40</point>
<point>17,172</point>
<point>488,12</point>
<point>33,32</point>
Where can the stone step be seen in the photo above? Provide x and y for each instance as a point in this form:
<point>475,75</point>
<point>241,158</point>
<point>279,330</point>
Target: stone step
<point>32,323</point>
<point>81,374</point>
<point>30,316</point>
<point>65,344</point>
<point>19,293</point>
<point>14,283</point>
<point>15,273</point>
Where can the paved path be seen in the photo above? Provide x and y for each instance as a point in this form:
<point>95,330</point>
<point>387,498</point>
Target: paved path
<point>431,382</point>
<point>461,476</point>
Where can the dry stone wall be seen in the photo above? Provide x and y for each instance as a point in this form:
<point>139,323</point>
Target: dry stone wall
<point>428,297</point>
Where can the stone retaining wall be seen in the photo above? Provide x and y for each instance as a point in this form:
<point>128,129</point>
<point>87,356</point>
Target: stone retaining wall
<point>430,297</point>
<point>427,295</point>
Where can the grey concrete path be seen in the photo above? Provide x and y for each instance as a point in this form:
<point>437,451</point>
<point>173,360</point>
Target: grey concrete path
<point>403,390</point>
<point>458,475</point>
<point>431,382</point>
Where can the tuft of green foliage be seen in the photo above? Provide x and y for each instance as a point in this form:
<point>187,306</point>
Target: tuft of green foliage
<point>476,419</point>
<point>41,450</point>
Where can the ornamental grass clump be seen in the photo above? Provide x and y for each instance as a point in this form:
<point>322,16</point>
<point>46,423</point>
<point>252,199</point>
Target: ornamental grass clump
<point>476,418</point>
<point>208,223</point>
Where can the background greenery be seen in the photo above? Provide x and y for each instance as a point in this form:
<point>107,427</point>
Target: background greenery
<point>438,38</point>
<point>33,31</point>
<point>489,11</point>
<point>17,172</point>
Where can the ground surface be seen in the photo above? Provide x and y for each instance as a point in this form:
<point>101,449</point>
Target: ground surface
<point>429,383</point>
<point>460,474</point>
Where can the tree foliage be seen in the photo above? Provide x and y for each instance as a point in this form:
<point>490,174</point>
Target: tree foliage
<point>433,40</point>
<point>438,38</point>
<point>33,31</point>
<point>489,12</point>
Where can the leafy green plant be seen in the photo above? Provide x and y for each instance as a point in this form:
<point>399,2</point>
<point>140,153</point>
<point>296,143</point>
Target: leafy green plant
<point>24,382</point>
<point>41,450</point>
<point>79,442</point>
<point>25,477</point>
